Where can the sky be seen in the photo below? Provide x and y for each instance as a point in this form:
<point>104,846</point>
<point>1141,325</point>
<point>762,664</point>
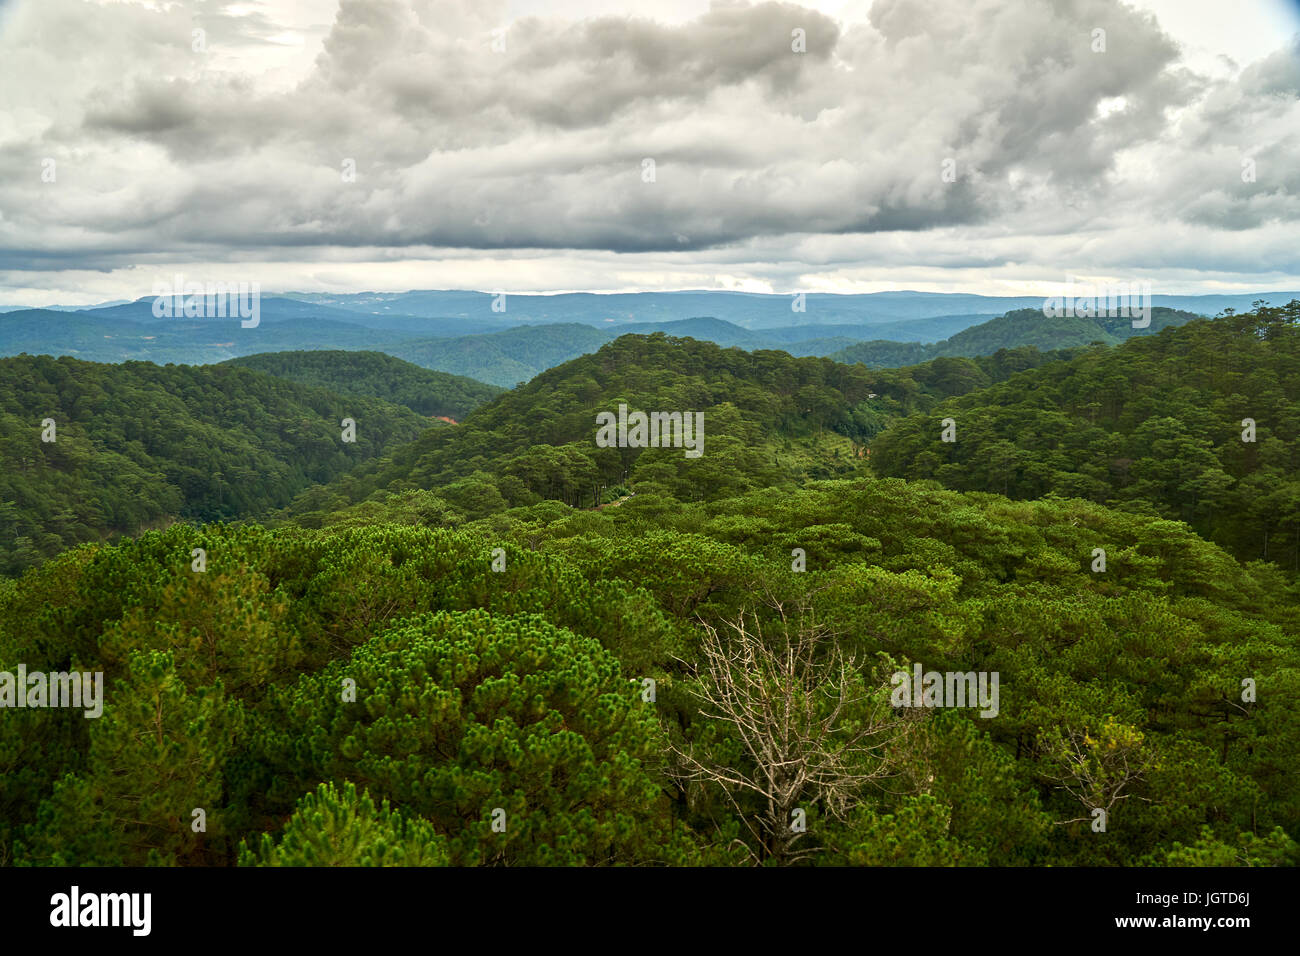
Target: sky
<point>1002,148</point>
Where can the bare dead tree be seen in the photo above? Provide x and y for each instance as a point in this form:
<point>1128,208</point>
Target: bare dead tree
<point>814,731</point>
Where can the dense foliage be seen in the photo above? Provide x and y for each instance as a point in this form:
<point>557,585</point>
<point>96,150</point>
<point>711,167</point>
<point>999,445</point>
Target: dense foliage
<point>476,691</point>
<point>138,445</point>
<point>1157,425</point>
<point>374,374</point>
<point>771,420</point>
<point>448,656</point>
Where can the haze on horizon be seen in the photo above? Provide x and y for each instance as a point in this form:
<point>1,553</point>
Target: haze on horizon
<point>523,169</point>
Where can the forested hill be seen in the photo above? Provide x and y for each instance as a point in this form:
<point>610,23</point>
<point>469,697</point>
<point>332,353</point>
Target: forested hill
<point>377,375</point>
<point>139,444</point>
<point>1021,328</point>
<point>1157,424</point>
<point>771,420</point>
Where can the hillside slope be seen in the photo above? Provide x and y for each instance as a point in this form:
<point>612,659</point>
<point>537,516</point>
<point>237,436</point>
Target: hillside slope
<point>138,444</point>
<point>1158,424</point>
<point>377,375</point>
<point>1019,329</point>
<point>770,420</point>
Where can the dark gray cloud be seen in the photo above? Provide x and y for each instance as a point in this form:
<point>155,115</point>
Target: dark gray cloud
<point>542,144</point>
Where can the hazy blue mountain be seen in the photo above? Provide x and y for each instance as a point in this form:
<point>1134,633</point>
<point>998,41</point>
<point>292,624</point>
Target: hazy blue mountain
<point>535,333</point>
<point>745,309</point>
<point>109,335</point>
<point>505,358</point>
<point>64,308</point>
<point>705,328</point>
<point>912,330</point>
<point>60,333</point>
<point>273,309</point>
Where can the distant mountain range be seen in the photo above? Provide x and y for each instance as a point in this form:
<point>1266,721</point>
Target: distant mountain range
<point>64,308</point>
<point>750,310</point>
<point>459,333</point>
<point>494,348</point>
<point>747,309</point>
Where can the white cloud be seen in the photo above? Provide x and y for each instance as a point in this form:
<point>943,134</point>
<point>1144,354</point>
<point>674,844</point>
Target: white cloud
<point>523,169</point>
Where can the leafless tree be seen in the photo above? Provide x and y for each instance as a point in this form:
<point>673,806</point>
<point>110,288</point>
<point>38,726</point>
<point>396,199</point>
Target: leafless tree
<point>814,730</point>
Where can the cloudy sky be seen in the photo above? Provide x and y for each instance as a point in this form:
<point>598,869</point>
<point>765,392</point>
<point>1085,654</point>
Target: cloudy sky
<point>508,145</point>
